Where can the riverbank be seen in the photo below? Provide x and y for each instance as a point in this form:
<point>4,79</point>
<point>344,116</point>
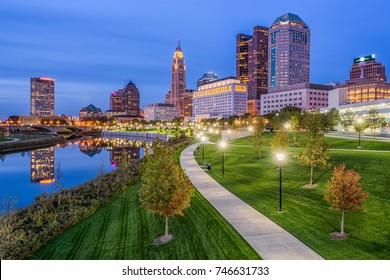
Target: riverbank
<point>123,230</point>
<point>24,231</point>
<point>25,145</point>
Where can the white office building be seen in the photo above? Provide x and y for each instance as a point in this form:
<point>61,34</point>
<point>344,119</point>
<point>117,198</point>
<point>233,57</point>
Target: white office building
<point>305,96</point>
<point>220,99</point>
<point>161,112</point>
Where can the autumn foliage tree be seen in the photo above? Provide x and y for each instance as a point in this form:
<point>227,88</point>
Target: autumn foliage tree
<point>166,190</point>
<point>344,192</point>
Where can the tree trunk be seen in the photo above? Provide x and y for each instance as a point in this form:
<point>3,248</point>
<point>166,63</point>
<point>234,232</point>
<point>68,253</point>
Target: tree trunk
<point>59,199</point>
<point>342,221</point>
<point>166,226</point>
<point>311,174</point>
<point>259,153</point>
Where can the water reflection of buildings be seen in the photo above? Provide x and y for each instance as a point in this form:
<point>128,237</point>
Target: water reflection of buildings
<point>116,147</point>
<point>42,166</point>
<point>90,147</point>
<point>129,154</point>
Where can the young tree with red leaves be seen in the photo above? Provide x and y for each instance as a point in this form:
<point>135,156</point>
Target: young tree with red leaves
<point>166,190</point>
<point>344,192</point>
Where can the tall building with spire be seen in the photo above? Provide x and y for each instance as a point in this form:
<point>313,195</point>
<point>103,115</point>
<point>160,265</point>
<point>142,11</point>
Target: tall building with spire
<point>178,83</point>
<point>288,52</point>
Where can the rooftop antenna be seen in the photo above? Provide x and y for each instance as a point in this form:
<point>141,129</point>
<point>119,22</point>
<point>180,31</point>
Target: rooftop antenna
<point>178,43</point>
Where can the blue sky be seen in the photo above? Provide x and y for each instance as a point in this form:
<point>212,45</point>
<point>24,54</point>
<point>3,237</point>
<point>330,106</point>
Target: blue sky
<point>91,47</point>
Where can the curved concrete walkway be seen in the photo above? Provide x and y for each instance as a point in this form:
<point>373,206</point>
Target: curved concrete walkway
<point>269,240</point>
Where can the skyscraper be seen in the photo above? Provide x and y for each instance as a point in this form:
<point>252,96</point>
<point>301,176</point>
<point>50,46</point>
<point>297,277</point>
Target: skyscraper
<point>252,61</point>
<point>126,100</point>
<point>242,55</point>
<point>42,97</point>
<point>178,83</point>
<point>368,69</point>
<point>131,99</point>
<point>288,52</point>
<point>367,81</point>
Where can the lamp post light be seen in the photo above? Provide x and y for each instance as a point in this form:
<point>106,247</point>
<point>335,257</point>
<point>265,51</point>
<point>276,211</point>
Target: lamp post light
<point>222,144</point>
<point>229,131</point>
<point>286,126</point>
<point>203,139</point>
<point>280,158</point>
<point>359,121</point>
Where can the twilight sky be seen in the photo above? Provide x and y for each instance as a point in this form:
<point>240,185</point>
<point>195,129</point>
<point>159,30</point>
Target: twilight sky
<point>91,47</point>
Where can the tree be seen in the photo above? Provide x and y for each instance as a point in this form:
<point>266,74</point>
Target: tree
<point>317,123</point>
<point>100,169</point>
<point>279,143</point>
<point>344,192</point>
<point>58,182</point>
<point>313,154</point>
<point>375,120</point>
<point>258,138</point>
<point>124,171</point>
<point>165,190</point>
<point>347,119</point>
<point>294,125</point>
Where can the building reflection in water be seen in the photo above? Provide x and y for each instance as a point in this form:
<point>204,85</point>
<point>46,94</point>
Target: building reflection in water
<point>90,147</point>
<point>42,160</point>
<point>42,166</point>
<point>130,154</point>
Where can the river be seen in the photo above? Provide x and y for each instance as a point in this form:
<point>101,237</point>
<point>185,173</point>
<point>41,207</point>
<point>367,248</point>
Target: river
<point>26,175</point>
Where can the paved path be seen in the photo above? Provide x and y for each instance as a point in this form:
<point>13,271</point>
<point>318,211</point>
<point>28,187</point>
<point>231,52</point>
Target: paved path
<point>269,240</point>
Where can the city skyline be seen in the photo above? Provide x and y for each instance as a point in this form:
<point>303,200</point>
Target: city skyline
<point>93,50</point>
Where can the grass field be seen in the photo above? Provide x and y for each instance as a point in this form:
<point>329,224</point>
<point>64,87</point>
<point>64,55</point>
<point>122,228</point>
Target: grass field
<point>123,230</point>
<point>25,137</point>
<point>306,215</point>
<point>333,143</point>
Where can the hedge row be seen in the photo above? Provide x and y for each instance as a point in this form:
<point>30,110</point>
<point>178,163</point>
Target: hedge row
<point>24,231</point>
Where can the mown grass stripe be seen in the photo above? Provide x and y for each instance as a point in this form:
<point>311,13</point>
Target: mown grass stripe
<point>77,241</point>
<point>101,235</point>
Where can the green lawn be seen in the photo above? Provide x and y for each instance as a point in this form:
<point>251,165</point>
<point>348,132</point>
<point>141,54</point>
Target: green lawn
<point>306,215</point>
<point>155,130</point>
<point>334,143</point>
<point>123,230</point>
<point>24,137</point>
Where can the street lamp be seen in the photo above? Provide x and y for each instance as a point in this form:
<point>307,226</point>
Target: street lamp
<point>359,121</point>
<point>286,126</point>
<point>222,144</point>
<point>203,139</point>
<point>280,158</point>
<point>229,131</point>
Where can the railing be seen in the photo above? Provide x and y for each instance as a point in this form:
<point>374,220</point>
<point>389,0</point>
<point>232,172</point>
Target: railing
<point>135,135</point>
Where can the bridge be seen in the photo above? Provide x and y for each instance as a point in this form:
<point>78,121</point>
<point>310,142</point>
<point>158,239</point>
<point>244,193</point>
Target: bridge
<point>50,128</point>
